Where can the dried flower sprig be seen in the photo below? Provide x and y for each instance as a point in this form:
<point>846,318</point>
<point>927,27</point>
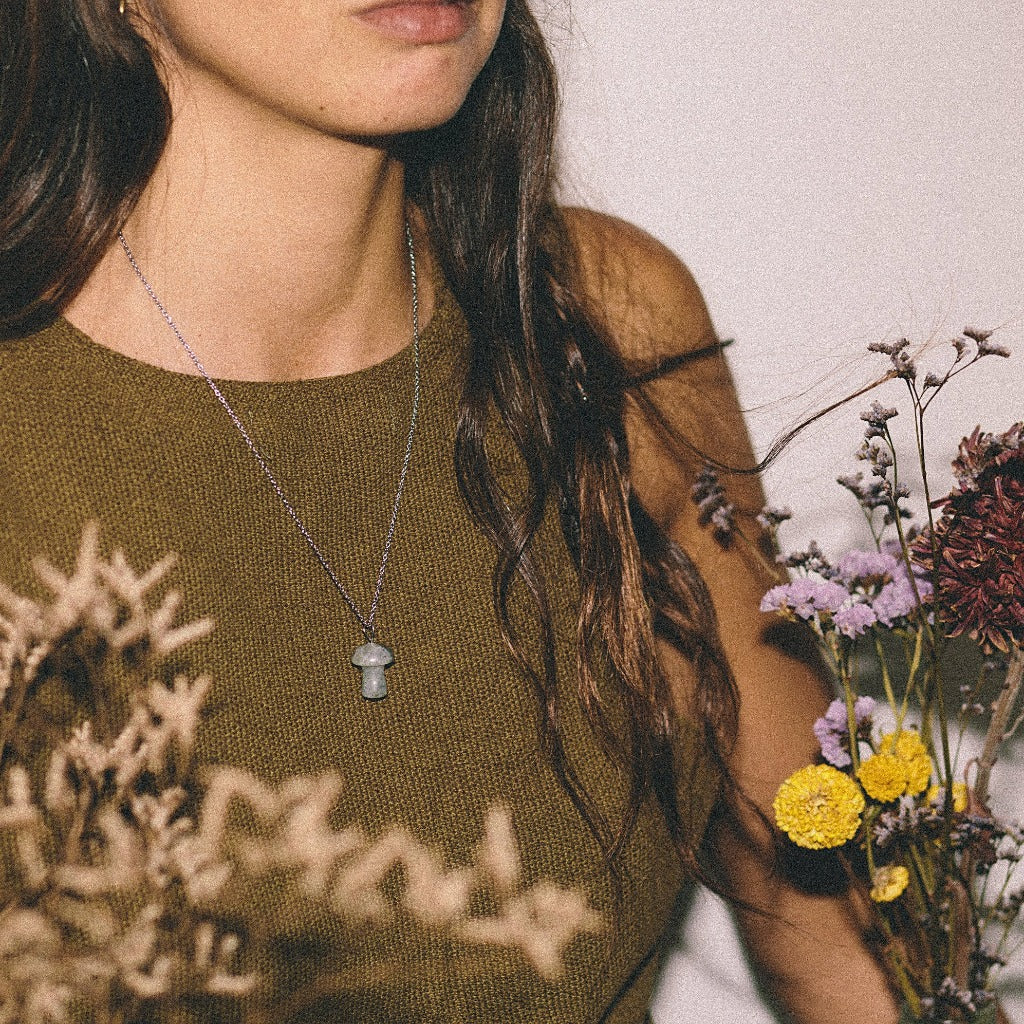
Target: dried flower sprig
<point>713,508</point>
<point>104,598</point>
<point>101,610</point>
<point>116,857</point>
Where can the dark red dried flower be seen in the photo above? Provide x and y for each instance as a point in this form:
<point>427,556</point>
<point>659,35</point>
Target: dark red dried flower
<point>979,539</point>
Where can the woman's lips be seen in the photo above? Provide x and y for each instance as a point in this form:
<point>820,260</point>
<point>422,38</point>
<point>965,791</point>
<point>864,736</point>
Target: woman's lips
<point>420,21</point>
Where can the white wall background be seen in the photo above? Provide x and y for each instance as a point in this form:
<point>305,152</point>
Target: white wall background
<point>833,175</point>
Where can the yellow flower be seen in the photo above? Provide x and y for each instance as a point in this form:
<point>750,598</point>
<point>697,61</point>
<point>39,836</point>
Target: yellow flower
<point>819,807</point>
<point>884,777</point>
<point>889,883</point>
<point>908,747</point>
<point>959,797</point>
<point>935,794</point>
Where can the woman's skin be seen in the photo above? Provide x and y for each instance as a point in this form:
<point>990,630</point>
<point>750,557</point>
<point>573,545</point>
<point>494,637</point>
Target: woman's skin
<point>273,232</point>
<point>808,950</point>
<point>275,213</point>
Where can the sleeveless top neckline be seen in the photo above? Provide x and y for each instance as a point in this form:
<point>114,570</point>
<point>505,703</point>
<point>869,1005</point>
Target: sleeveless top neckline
<point>144,374</point>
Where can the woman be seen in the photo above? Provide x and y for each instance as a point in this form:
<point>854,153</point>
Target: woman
<point>293,184</point>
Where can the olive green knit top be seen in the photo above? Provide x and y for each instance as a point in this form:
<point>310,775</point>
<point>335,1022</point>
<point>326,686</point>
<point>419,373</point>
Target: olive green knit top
<point>89,434</point>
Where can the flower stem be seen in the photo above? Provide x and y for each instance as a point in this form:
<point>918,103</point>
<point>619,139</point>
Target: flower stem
<point>913,668</point>
<point>851,712</point>
<point>893,949</point>
<point>1001,713</point>
<point>890,694</point>
<point>947,762</point>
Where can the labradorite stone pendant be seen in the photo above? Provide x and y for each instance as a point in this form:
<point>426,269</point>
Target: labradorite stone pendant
<point>372,659</point>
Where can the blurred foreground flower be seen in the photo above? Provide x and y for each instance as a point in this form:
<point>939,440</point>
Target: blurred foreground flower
<point>117,860</point>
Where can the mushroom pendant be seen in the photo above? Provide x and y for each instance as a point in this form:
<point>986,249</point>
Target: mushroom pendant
<point>373,659</point>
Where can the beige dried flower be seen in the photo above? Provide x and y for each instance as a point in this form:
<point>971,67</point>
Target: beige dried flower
<point>59,796</point>
<point>145,970</point>
<point>175,714</point>
<point>33,989</point>
<point>541,922</point>
<point>213,958</point>
<point>117,900</point>
<point>112,600</point>
<point>21,816</point>
<point>120,867</point>
<point>297,814</point>
<point>499,853</point>
<point>106,599</point>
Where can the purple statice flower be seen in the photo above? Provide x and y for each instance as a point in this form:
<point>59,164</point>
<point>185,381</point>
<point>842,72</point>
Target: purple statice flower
<point>921,575</point>
<point>855,619</point>
<point>772,517</point>
<point>832,749</point>
<point>907,820</point>
<point>876,493</point>
<point>867,567</point>
<point>897,352</point>
<point>713,508</point>
<point>953,995</point>
<point>899,598</point>
<point>894,601</point>
<point>976,334</point>
<point>863,709</point>
<point>722,519</point>
<point>985,346</point>
<point>831,729</point>
<point>805,597</point>
<point>881,577</point>
<point>878,457</point>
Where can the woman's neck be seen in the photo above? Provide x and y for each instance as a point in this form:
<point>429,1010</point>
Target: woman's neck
<point>279,251</point>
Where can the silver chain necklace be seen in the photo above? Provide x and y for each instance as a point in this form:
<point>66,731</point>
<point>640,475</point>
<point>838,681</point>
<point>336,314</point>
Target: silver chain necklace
<point>371,658</point>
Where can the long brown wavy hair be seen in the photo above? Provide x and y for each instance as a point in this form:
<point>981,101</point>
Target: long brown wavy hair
<point>84,118</point>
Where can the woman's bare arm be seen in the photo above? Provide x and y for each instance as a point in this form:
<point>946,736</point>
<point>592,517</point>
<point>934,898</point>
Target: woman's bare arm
<point>809,949</point>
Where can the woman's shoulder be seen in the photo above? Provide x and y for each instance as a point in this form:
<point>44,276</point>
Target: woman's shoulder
<point>658,321</point>
<point>645,294</point>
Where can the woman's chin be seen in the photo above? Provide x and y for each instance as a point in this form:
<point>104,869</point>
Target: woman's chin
<point>404,115</point>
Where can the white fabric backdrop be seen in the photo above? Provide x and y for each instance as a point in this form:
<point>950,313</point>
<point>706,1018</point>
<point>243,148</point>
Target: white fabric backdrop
<point>833,175</point>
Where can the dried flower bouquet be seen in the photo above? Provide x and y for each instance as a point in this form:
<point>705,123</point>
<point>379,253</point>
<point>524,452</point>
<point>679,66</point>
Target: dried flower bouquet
<point>117,853</point>
<point>894,793</point>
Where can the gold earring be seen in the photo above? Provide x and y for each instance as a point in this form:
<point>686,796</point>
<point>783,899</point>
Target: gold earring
<point>120,8</point>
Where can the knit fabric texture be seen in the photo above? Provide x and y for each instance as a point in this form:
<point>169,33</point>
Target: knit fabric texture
<point>89,434</point>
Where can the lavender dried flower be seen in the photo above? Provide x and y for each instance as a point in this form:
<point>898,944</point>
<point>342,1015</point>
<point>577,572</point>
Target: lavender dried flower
<point>832,729</point>
<point>877,418</point>
<point>854,620</point>
<point>902,363</point>
<point>811,560</point>
<point>713,508</point>
<point>806,597</point>
<point>771,517</point>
